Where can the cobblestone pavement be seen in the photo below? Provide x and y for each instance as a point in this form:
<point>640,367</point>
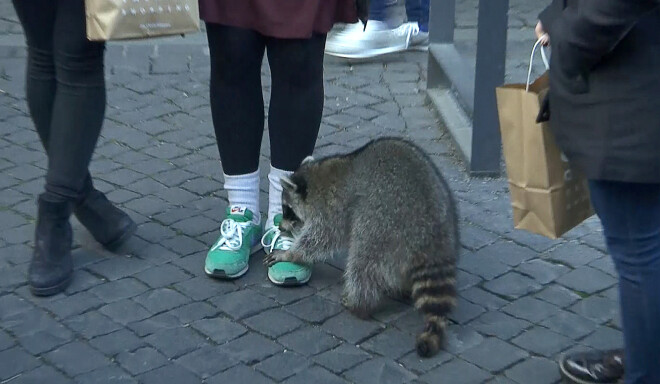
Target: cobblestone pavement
<point>149,315</point>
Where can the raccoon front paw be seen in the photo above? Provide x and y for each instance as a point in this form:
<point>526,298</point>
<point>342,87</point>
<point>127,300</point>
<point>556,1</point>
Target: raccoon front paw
<point>276,257</point>
<point>356,311</point>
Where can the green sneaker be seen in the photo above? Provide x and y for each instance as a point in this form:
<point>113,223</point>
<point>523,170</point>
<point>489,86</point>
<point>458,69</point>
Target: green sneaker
<point>284,272</point>
<point>229,256</point>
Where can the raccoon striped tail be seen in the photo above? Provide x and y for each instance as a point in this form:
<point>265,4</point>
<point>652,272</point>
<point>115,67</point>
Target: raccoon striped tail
<point>434,295</point>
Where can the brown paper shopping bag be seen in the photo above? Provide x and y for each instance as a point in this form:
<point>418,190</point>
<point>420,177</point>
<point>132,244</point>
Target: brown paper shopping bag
<point>139,19</point>
<point>548,196</point>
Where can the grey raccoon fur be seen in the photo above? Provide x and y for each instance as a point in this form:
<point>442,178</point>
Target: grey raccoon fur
<point>391,210</point>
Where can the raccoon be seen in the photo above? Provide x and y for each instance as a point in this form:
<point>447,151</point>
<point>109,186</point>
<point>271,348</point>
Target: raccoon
<point>390,210</point>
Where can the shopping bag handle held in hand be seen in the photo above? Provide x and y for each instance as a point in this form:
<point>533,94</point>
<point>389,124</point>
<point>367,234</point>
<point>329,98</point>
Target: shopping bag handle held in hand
<point>531,60</point>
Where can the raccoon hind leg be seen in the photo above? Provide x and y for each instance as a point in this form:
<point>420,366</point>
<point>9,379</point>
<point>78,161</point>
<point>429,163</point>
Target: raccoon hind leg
<point>362,294</point>
<point>434,295</point>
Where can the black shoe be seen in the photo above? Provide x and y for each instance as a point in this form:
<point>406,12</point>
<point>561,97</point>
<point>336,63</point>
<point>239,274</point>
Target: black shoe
<point>51,267</point>
<point>600,367</point>
<point>109,225</point>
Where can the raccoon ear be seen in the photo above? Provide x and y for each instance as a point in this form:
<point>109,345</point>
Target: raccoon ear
<point>307,159</point>
<point>287,183</point>
<point>299,186</point>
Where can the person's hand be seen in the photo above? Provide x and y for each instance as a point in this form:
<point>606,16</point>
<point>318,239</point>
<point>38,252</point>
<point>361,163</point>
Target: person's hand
<point>540,33</point>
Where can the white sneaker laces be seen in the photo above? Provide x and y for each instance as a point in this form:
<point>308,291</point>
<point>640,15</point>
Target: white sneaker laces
<point>408,30</point>
<point>232,235</point>
<point>285,241</point>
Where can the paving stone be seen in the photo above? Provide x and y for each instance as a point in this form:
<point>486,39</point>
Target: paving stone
<point>465,311</point>
<point>477,295</point>
<point>595,308</point>
<point>273,323</point>
<point>513,285</point>
<point>207,361</point>
<point>202,288</point>
<point>240,374</point>
<point>67,358</point>
<point>558,295</point>
<point>241,304</point>
<point>351,328</point>
<point>605,264</point>
<point>5,341</point>
<point>536,242</point>
<point>125,311</point>
<point>116,342</point>
<point>162,276</point>
<point>283,365</point>
<point>574,255</point>
<point>15,361</point>
<point>483,264</point>
<point>421,365</point>
<point>494,355</point>
<point>141,361</point>
<point>155,324</point>
<point>460,339</point>
<point>171,373</point>
<point>543,371</point>
<point>220,330</point>
<point>341,358</point>
<point>313,309</point>
<point>43,374</point>
<point>587,280</point>
<point>315,374</point>
<point>460,371</point>
<point>466,280</point>
<point>379,370</point>
<point>184,245</point>
<point>308,341</point>
<point>45,340</point>
<point>92,324</point>
<point>106,375</point>
<point>118,267</point>
<point>193,312</point>
<point>391,343</point>
<point>531,309</point>
<point>542,271</point>
<point>570,325</point>
<point>83,281</point>
<point>12,305</point>
<point>176,342</point>
<point>161,299</point>
<point>604,338</point>
<point>542,341</point>
<point>252,348</point>
<point>475,238</point>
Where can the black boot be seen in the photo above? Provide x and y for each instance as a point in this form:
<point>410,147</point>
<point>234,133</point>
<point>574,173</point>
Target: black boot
<point>51,267</point>
<point>109,225</point>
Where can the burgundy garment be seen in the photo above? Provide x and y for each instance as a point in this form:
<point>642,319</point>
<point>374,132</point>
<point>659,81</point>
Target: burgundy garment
<point>288,19</point>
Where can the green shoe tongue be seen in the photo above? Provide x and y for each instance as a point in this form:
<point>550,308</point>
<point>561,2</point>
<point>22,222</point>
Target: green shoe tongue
<point>239,214</point>
<point>277,219</point>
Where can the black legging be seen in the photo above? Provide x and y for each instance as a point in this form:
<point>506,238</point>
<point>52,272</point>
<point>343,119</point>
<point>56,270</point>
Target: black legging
<point>237,105</point>
<point>65,90</point>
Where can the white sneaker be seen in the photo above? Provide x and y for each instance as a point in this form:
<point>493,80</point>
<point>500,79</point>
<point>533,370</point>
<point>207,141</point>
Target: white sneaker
<point>378,39</point>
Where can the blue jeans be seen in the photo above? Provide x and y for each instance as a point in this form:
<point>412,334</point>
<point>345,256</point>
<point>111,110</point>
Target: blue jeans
<point>416,10</point>
<point>630,214</point>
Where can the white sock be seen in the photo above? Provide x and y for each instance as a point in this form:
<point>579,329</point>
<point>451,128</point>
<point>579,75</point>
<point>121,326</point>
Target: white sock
<point>243,190</point>
<point>275,193</point>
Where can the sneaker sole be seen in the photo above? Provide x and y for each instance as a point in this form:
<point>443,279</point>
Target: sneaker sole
<point>378,52</point>
<point>55,289</point>
<point>220,274</point>
<point>288,282</point>
<point>568,378</point>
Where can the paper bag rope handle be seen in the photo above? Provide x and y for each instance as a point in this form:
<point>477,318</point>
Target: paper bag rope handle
<point>531,60</point>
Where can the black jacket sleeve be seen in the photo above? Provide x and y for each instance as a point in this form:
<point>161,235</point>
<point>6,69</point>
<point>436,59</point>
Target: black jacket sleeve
<point>549,15</point>
<point>582,36</point>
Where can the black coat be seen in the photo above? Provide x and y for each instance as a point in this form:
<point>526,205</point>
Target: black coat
<point>605,86</point>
